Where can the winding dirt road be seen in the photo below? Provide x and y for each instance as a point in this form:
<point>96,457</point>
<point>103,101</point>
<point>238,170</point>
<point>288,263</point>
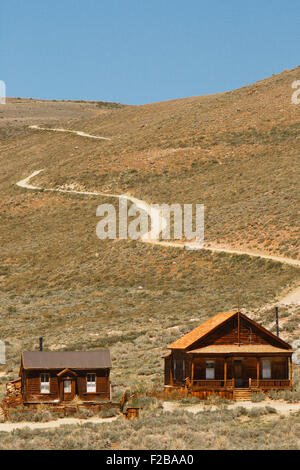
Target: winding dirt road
<point>151,237</point>
<point>81,134</point>
<point>158,221</point>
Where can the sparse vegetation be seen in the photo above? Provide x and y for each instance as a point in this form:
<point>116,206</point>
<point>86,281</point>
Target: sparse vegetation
<point>156,429</point>
<point>59,281</point>
<point>257,397</point>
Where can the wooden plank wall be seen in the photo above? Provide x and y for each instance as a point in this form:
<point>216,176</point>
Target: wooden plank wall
<point>279,367</point>
<point>31,388</point>
<point>228,334</point>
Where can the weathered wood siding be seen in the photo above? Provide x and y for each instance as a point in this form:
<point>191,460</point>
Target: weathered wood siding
<point>200,368</point>
<point>279,368</point>
<point>31,386</point>
<point>228,334</point>
<point>167,370</point>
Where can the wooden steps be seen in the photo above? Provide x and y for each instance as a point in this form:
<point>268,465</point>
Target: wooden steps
<point>242,394</point>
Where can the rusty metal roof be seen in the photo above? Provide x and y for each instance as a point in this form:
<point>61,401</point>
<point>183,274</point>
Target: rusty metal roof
<point>97,359</point>
<point>190,338</point>
<point>243,348</point>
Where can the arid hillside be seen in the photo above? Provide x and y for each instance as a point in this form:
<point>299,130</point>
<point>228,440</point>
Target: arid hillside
<point>236,152</point>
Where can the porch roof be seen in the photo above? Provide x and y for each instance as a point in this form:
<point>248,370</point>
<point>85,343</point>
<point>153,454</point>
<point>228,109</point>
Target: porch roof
<point>241,349</point>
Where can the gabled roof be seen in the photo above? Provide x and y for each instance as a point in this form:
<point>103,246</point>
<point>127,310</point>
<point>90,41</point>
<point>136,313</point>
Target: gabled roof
<point>201,330</point>
<point>213,323</point>
<point>97,359</point>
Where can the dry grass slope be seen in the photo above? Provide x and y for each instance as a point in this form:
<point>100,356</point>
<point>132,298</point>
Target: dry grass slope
<point>236,152</point>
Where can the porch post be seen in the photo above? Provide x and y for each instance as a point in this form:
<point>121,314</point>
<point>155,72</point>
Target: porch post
<point>171,370</point>
<point>61,390</point>
<point>225,371</point>
<point>257,371</point>
<point>192,375</point>
<point>291,372</point>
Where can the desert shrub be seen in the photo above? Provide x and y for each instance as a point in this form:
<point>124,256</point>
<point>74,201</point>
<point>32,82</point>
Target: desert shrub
<point>189,401</point>
<point>257,397</point>
<point>270,409</point>
<point>274,394</point>
<point>216,400</point>
<point>84,413</point>
<point>290,396</point>
<point>255,412</point>
<point>239,411</point>
<point>108,412</point>
<point>39,414</point>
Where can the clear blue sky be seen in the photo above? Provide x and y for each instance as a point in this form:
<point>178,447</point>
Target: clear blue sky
<point>140,51</point>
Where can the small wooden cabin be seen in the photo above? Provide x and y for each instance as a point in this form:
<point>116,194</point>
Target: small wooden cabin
<point>58,376</point>
<point>230,355</point>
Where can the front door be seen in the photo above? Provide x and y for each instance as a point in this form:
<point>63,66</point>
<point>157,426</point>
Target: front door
<point>68,386</point>
<point>238,373</point>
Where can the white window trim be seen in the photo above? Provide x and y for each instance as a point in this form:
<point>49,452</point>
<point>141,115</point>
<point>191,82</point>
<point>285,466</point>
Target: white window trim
<point>90,384</point>
<point>45,384</point>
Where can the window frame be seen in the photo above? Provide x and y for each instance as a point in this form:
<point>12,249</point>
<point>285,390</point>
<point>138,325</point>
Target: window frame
<point>44,384</point>
<point>69,389</point>
<point>268,369</point>
<point>91,385</point>
<point>179,364</point>
<point>212,361</point>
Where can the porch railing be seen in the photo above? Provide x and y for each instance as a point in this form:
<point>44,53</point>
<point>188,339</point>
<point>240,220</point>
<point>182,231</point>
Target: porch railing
<point>269,383</point>
<point>230,384</point>
<point>211,383</point>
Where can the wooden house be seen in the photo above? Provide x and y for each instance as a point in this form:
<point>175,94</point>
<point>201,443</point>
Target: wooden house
<point>59,376</point>
<point>230,355</point>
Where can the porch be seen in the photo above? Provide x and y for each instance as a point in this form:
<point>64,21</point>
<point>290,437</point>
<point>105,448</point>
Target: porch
<point>254,384</point>
<point>214,373</point>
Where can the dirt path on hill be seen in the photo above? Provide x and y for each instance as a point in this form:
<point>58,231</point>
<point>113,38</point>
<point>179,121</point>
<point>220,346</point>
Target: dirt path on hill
<point>82,134</point>
<point>159,222</point>
<point>9,427</point>
<point>155,214</point>
<point>293,298</point>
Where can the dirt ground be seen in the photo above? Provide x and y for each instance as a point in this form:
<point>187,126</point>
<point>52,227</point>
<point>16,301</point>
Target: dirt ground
<point>8,427</point>
<point>280,406</point>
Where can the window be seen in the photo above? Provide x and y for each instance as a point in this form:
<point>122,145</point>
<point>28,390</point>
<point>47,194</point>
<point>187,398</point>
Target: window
<point>266,369</point>
<point>45,383</point>
<point>210,370</point>
<point>67,386</point>
<point>179,369</point>
<point>91,383</point>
